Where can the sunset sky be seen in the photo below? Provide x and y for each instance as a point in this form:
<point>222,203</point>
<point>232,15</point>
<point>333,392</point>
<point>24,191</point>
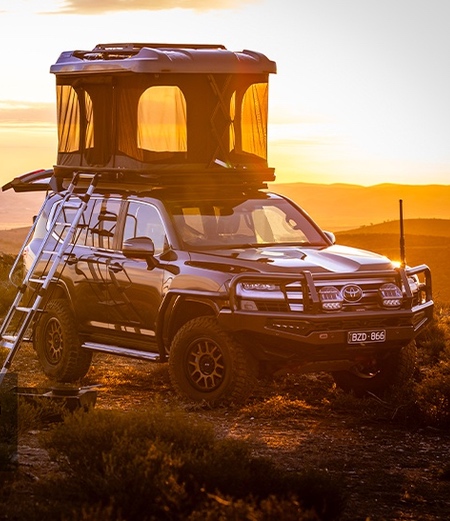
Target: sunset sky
<point>362,93</point>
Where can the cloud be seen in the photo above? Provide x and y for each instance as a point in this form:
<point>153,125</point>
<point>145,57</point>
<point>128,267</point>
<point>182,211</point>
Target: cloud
<point>26,114</point>
<point>90,7</point>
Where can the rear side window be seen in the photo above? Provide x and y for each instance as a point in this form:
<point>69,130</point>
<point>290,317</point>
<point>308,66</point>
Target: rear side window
<point>97,226</point>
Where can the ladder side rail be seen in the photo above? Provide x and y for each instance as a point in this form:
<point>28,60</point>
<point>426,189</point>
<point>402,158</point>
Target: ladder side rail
<point>10,314</point>
<point>63,246</point>
<point>6,323</point>
<point>16,345</point>
<point>55,261</point>
<point>52,262</point>
<point>24,244</point>
<point>28,313</point>
<point>46,239</point>
<point>68,194</point>
<point>25,283</point>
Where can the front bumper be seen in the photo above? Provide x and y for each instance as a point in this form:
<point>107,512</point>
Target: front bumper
<point>312,331</point>
<point>400,326</point>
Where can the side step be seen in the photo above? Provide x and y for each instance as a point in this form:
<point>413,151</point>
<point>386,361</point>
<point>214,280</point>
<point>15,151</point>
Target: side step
<point>122,351</point>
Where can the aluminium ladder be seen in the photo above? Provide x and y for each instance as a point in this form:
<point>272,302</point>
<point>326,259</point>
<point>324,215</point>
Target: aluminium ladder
<point>27,304</point>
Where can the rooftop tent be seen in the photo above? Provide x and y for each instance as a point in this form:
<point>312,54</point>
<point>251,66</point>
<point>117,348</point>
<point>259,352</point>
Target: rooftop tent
<point>157,108</point>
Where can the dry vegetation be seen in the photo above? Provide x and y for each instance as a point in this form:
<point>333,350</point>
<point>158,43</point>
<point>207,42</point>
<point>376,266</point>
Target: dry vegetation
<point>298,437</point>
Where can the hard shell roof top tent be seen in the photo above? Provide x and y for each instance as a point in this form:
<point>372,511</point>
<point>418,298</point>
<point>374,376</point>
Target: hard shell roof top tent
<point>163,111</point>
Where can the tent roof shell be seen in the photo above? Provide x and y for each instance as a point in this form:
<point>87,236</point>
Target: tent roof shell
<point>162,58</point>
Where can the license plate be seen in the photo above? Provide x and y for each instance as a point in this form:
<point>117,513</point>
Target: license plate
<point>362,337</point>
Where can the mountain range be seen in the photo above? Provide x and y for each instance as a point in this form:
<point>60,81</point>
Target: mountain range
<point>334,207</point>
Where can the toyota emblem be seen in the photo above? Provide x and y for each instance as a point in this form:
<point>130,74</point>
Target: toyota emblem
<point>352,293</point>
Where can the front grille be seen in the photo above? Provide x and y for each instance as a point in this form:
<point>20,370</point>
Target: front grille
<point>297,296</point>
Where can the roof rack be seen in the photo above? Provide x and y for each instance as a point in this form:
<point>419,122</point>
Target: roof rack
<point>125,180</point>
<point>128,180</point>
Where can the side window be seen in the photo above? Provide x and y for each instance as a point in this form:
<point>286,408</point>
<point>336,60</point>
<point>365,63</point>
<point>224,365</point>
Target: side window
<point>102,223</point>
<point>74,107</point>
<point>162,120</point>
<point>68,119</point>
<point>97,225</point>
<point>144,220</point>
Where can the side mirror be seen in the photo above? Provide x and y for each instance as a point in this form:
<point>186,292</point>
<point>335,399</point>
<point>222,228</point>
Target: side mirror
<point>140,248</point>
<point>330,236</point>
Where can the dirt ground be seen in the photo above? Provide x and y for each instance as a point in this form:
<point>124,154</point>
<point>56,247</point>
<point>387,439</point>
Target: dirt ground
<point>389,471</point>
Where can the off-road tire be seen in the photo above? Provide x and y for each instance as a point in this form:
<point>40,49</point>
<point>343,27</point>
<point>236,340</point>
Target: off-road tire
<point>58,346</point>
<point>207,365</point>
<point>393,373</point>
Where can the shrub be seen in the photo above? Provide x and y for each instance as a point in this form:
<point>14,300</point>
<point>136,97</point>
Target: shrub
<point>433,396</point>
<point>432,343</point>
<point>7,290</point>
<point>8,428</point>
<point>162,464</point>
<point>431,391</point>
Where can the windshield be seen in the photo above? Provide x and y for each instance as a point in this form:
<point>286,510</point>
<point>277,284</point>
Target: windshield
<point>248,222</point>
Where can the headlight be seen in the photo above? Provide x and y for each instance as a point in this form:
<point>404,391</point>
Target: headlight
<point>252,292</point>
<point>391,296</point>
<point>259,290</point>
<point>330,298</point>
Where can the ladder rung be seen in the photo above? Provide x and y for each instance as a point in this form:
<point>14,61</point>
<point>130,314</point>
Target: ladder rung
<point>9,338</point>
<point>37,281</point>
<point>24,309</point>
<point>49,252</point>
<point>8,342</point>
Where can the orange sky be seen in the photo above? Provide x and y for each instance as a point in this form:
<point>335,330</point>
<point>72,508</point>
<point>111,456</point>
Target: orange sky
<point>361,94</point>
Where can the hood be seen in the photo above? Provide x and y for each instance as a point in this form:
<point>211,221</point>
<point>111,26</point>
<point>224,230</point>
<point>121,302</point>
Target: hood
<point>334,259</point>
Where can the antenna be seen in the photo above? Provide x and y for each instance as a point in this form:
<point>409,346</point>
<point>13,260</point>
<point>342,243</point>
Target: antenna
<point>402,236</point>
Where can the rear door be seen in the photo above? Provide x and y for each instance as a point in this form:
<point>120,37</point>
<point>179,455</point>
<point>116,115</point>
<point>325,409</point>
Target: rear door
<point>139,286</point>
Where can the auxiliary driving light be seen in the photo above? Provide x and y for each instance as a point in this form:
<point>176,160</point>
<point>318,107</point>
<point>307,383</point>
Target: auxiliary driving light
<point>330,298</point>
<point>391,295</point>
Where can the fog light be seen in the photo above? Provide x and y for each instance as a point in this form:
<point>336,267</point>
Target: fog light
<point>391,296</point>
<point>330,298</point>
<point>248,305</point>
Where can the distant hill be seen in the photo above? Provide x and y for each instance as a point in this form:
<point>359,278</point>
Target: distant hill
<point>427,241</point>
<point>17,210</point>
<point>427,227</point>
<point>341,206</point>
<point>12,240</point>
